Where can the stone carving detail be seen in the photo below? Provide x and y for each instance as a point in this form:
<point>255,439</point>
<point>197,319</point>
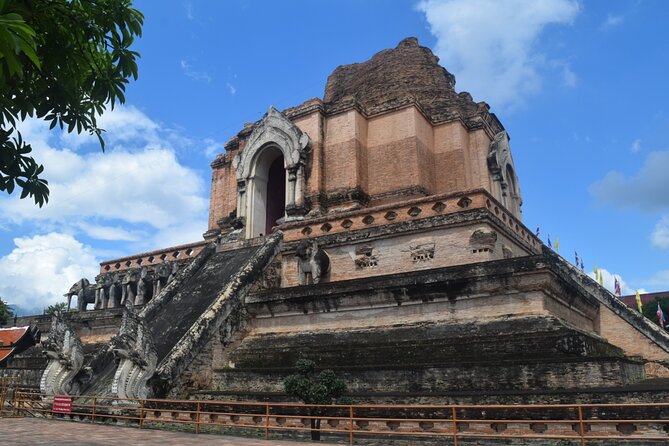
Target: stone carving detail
<point>65,357</point>
<point>102,283</point>
<point>113,290</point>
<point>142,285</point>
<point>483,240</point>
<point>270,278</point>
<point>312,262</point>
<point>365,258</point>
<point>133,346</point>
<point>276,130</point>
<point>128,287</point>
<point>84,291</point>
<point>503,170</point>
<point>422,253</point>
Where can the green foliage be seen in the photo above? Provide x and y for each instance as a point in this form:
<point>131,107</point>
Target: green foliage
<point>6,312</point>
<point>62,61</point>
<point>60,307</point>
<point>323,389</point>
<point>650,308</point>
<point>312,388</point>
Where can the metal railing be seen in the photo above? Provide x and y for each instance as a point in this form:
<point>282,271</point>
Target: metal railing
<point>578,423</point>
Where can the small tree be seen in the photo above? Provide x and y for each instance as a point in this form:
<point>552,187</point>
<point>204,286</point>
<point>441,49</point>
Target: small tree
<point>6,312</point>
<point>60,307</point>
<point>323,389</point>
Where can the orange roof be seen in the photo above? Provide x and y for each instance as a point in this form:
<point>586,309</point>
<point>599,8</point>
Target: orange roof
<point>4,353</point>
<point>10,336</point>
<point>14,340</point>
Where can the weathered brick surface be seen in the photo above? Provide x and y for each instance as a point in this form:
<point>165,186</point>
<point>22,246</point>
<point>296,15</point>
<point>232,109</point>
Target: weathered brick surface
<point>386,129</point>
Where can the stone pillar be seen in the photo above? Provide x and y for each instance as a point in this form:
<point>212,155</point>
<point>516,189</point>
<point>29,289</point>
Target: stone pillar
<point>291,190</point>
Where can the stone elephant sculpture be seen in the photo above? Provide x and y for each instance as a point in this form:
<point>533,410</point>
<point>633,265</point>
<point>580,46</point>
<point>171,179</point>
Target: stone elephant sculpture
<point>312,262</point>
<point>84,291</point>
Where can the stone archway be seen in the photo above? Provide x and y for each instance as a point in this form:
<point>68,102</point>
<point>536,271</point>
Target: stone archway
<point>266,191</point>
<point>262,178</point>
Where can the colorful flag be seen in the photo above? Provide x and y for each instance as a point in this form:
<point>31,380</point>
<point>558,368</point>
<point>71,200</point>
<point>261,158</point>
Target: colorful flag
<point>617,286</point>
<point>596,273</point>
<point>582,265</point>
<point>660,316</point>
<point>601,278</point>
<point>550,245</point>
<point>639,305</point>
<point>576,256</point>
<point>538,233</point>
<point>557,244</point>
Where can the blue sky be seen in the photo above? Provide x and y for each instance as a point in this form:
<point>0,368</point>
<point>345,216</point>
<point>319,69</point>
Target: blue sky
<point>581,87</point>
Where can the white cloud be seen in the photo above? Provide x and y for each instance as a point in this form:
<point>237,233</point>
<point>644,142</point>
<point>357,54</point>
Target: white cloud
<point>608,281</point>
<point>189,10</point>
<point>213,147</point>
<point>40,269</point>
<point>660,280</point>
<point>231,88</point>
<point>569,77</point>
<point>102,232</point>
<point>647,190</point>
<point>660,235</point>
<point>612,20</point>
<point>636,146</point>
<point>137,191</point>
<point>194,74</point>
<point>491,46</point>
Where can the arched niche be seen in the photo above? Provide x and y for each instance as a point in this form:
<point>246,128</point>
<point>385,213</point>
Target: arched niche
<point>505,182</point>
<point>273,138</point>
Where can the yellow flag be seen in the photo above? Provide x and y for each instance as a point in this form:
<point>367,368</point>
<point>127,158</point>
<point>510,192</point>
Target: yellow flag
<point>639,305</point>
<point>596,272</point>
<point>557,244</point>
<point>601,278</point>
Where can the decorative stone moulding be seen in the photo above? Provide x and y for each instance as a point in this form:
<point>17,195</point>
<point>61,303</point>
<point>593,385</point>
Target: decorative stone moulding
<point>368,220</point>
<point>365,258</point>
<point>307,230</point>
<point>347,223</point>
<point>464,202</point>
<point>326,227</point>
<point>422,253</point>
<point>414,211</point>
<point>390,215</point>
<point>439,207</point>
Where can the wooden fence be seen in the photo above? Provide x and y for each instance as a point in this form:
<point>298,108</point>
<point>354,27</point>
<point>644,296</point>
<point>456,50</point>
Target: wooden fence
<point>577,423</point>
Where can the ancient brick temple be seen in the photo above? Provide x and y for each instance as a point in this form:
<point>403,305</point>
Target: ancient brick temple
<point>378,232</point>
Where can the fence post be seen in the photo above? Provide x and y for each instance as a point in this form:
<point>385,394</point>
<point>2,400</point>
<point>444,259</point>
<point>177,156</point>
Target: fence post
<point>455,426</point>
<point>141,414</point>
<point>95,401</point>
<point>581,424</point>
<point>350,425</point>
<point>266,421</point>
<point>197,419</point>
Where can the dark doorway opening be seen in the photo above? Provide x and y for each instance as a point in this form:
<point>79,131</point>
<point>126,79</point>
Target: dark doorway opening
<point>276,194</point>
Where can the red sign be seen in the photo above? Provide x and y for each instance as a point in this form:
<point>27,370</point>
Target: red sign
<point>62,404</point>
